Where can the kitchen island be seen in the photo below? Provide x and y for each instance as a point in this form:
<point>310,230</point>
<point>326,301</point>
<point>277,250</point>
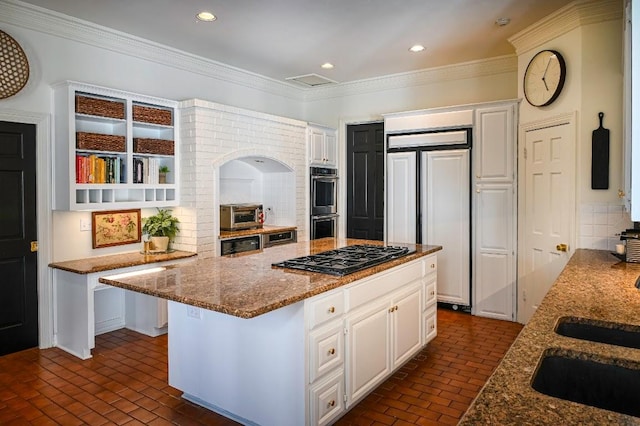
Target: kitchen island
<point>268,345</point>
<point>594,285</point>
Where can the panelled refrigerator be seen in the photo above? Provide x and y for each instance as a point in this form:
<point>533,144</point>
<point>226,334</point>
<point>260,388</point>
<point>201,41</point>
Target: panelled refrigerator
<point>429,202</point>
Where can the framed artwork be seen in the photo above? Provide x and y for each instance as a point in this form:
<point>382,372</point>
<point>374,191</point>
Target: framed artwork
<point>116,227</point>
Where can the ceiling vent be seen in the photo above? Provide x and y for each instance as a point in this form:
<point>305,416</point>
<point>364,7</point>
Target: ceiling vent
<point>311,80</point>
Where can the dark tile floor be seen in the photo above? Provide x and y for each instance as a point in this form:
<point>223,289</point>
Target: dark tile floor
<point>126,381</point>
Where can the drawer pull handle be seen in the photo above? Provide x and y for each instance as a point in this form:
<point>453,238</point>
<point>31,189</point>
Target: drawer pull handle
<point>332,310</point>
<point>332,351</point>
<point>433,266</point>
<point>433,327</point>
<point>432,293</point>
<point>331,403</point>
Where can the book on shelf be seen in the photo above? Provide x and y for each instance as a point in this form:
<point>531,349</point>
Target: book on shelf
<point>99,169</point>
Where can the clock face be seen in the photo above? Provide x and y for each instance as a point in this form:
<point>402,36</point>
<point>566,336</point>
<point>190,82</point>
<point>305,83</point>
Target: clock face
<point>544,78</point>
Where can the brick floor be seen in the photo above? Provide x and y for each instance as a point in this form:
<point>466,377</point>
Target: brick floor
<point>126,381</point>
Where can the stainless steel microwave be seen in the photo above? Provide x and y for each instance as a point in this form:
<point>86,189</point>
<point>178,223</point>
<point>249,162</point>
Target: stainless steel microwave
<point>240,216</point>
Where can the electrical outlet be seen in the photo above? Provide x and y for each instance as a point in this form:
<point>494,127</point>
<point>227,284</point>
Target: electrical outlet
<point>85,225</point>
<point>193,312</point>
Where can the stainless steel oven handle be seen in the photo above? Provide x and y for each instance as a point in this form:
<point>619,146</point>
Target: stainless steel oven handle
<point>324,216</point>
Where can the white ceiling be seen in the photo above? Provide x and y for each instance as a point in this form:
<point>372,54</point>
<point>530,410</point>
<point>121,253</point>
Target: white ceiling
<point>287,38</point>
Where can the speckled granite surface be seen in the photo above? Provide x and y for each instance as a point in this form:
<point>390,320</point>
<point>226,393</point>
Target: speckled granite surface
<point>594,285</point>
<point>116,261</point>
<point>264,230</point>
<point>246,285</point>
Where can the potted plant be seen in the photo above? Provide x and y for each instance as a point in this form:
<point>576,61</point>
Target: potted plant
<point>162,174</point>
<point>161,229</point>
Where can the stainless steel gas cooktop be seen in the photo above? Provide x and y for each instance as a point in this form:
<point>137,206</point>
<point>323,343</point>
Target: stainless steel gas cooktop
<point>345,260</point>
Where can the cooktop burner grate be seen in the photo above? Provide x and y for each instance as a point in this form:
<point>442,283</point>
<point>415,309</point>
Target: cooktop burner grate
<point>345,260</point>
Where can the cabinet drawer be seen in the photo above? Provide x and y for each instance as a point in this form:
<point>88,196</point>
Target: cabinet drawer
<point>326,350</point>
<point>430,321</point>
<point>430,291</point>
<point>327,400</point>
<point>430,264</point>
<point>382,284</point>
<point>325,308</point>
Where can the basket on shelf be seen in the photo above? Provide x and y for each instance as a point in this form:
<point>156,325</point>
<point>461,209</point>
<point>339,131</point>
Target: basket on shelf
<point>152,115</point>
<point>100,142</point>
<point>152,146</point>
<point>99,107</point>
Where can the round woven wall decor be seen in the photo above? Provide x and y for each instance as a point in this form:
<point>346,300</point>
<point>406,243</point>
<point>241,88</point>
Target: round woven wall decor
<point>14,66</point>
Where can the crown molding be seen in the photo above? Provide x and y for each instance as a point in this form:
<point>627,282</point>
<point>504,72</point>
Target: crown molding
<point>464,70</point>
<point>15,12</point>
<point>570,17</point>
<point>50,22</point>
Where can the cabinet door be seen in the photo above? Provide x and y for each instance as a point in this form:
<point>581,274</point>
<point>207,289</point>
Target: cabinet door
<point>494,144</point>
<point>401,197</point>
<point>316,142</point>
<point>446,220</point>
<point>367,349</point>
<point>405,330</point>
<point>494,270</point>
<point>330,149</point>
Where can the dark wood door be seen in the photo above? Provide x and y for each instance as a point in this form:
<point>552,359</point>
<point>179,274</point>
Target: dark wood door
<point>365,181</point>
<point>18,263</point>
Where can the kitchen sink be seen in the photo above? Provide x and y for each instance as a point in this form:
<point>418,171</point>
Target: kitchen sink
<point>600,331</point>
<point>612,384</point>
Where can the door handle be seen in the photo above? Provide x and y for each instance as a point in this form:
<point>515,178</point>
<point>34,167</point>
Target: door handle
<point>562,247</point>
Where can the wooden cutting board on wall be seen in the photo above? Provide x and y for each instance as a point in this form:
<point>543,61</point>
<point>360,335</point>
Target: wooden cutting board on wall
<point>600,156</point>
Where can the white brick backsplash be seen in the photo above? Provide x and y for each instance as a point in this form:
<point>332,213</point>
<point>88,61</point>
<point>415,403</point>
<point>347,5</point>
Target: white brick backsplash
<point>214,134</point>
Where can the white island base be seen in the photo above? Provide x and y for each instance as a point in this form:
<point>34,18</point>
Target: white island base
<point>250,370</point>
<point>309,362</point>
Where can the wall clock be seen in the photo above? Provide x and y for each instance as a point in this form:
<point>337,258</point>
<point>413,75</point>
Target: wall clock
<point>14,67</point>
<point>544,78</point>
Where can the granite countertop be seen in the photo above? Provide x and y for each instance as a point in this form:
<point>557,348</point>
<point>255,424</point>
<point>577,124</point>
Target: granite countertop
<point>117,261</point>
<point>246,285</point>
<point>594,285</point>
<point>266,229</point>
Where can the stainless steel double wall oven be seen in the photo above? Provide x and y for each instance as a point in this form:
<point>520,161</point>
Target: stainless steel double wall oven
<point>324,209</point>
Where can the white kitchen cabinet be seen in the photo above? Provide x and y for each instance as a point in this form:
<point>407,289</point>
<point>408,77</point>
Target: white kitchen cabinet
<point>327,400</point>
<point>493,127</point>
<point>495,212</point>
<point>446,220</point>
<point>322,146</point>
<point>381,336</point>
<point>109,146</point>
<point>401,197</point>
<point>429,304</point>
<point>494,145</point>
<point>494,259</point>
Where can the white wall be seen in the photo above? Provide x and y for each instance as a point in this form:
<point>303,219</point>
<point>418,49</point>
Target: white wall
<point>593,54</point>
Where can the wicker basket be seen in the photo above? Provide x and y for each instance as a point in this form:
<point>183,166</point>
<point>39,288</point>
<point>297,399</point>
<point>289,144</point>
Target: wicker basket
<point>152,115</point>
<point>99,142</point>
<point>99,107</point>
<point>152,146</point>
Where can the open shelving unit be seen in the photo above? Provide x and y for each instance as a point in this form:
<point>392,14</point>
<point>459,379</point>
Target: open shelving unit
<point>109,146</point>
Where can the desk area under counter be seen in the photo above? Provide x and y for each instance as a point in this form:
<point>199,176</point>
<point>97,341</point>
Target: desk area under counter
<point>85,308</point>
<point>267,345</point>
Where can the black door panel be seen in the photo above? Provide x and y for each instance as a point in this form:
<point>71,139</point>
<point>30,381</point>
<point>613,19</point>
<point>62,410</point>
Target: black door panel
<point>18,264</point>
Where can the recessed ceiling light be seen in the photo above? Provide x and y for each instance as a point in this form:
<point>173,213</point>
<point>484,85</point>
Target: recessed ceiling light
<point>327,65</point>
<point>206,16</point>
<point>416,48</point>
<point>501,22</point>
